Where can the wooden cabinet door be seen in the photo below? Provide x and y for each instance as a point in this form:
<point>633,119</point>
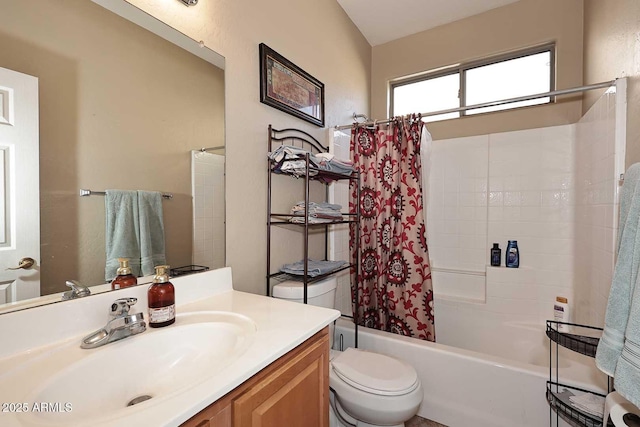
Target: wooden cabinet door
<point>291,392</point>
<point>294,395</point>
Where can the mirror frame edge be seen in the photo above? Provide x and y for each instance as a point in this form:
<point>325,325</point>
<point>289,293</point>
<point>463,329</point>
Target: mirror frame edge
<point>149,22</point>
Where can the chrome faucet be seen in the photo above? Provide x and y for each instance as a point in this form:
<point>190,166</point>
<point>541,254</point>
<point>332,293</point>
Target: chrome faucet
<point>121,324</point>
<point>77,290</point>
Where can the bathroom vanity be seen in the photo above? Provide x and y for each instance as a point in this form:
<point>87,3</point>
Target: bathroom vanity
<point>230,359</point>
<point>292,391</point>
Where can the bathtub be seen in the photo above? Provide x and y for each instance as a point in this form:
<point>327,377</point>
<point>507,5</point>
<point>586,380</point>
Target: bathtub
<point>498,380</point>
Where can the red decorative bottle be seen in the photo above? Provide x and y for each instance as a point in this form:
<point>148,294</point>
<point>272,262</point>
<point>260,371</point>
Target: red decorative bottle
<point>162,299</point>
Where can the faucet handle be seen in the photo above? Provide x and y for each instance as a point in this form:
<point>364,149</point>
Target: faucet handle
<point>121,306</point>
<point>77,290</point>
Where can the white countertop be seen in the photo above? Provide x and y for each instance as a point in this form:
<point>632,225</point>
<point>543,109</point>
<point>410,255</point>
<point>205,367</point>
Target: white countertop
<point>280,327</point>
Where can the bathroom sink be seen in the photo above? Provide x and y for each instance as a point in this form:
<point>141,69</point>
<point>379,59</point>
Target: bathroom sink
<point>145,369</point>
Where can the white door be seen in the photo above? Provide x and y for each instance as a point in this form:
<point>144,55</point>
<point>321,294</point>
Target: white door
<point>19,186</point>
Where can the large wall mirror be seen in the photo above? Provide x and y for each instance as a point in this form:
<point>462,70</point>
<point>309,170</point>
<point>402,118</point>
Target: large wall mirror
<point>119,108</point>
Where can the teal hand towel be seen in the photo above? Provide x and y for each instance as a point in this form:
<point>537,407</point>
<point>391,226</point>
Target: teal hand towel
<point>623,286</point>
<point>122,231</point>
<point>152,250</point>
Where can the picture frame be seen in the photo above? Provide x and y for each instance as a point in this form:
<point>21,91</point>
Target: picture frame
<point>287,87</point>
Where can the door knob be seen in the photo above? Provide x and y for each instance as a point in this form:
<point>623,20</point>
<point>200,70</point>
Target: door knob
<point>25,263</point>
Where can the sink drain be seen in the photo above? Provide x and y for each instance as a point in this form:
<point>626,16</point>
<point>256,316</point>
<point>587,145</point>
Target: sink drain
<point>138,399</point>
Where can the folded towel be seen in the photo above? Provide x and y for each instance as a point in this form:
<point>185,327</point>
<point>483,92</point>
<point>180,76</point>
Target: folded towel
<point>314,268</point>
<point>313,206</point>
<point>589,403</point>
<point>122,231</point>
<point>152,250</point>
<point>624,275</point>
<point>314,219</point>
<point>288,159</point>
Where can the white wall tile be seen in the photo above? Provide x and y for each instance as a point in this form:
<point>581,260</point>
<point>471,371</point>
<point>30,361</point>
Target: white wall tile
<point>530,198</point>
<point>208,213</point>
<point>460,183</point>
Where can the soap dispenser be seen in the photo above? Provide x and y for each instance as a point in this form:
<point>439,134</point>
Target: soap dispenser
<point>125,277</point>
<point>162,299</point>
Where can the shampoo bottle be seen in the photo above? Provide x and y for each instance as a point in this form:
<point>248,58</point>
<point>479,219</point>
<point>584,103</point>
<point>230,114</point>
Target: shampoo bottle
<point>512,255</point>
<point>162,299</point>
<point>496,255</point>
<point>125,277</point>
<point>561,313</point>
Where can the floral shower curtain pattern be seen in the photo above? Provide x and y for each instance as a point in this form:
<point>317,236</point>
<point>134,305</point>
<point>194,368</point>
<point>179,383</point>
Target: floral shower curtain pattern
<point>394,281</point>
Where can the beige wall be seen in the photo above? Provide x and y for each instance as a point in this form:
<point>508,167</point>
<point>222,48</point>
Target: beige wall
<point>315,35</point>
<point>611,50</point>
<point>512,27</point>
<point>119,108</point>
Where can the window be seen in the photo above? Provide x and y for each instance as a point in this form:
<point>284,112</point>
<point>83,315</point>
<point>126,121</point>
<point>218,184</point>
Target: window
<point>518,74</point>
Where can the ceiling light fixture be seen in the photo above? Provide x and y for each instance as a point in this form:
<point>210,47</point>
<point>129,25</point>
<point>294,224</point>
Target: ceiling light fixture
<point>190,2</point>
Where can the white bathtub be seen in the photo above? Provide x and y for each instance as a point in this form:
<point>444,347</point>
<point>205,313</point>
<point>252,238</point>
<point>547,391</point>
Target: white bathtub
<point>498,380</point>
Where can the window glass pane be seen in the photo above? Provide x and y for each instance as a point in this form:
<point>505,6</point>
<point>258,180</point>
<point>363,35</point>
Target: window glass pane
<point>509,79</point>
<point>439,93</point>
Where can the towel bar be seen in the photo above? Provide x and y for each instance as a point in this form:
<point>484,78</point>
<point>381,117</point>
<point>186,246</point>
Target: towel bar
<point>84,193</point>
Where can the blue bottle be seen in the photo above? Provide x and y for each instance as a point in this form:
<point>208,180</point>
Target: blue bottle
<point>512,255</point>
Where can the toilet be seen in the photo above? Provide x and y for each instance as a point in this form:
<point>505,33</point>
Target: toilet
<point>367,389</point>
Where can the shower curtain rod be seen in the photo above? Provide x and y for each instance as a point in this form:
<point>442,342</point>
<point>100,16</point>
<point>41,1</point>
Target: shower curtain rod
<point>501,102</point>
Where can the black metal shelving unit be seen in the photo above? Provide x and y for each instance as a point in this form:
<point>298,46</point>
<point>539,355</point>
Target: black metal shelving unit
<point>558,394</point>
<point>303,140</point>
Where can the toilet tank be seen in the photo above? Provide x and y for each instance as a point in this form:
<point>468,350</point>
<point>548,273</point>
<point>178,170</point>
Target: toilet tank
<point>321,293</point>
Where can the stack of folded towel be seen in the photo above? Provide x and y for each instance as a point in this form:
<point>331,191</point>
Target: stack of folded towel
<point>291,160</point>
<point>331,163</point>
<point>318,212</point>
<point>314,268</point>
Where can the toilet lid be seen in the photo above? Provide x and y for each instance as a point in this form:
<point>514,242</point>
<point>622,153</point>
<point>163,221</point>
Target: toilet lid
<point>375,373</point>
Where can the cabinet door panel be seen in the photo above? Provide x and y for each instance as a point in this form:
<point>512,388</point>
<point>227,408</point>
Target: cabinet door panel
<point>295,395</point>
<point>290,405</point>
<point>291,392</point>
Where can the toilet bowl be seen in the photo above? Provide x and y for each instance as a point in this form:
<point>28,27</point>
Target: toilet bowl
<point>372,389</point>
<point>367,389</point>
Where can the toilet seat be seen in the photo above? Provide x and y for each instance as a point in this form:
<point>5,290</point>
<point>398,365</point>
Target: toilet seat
<point>375,373</point>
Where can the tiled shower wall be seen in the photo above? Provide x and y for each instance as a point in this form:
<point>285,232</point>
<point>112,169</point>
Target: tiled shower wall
<point>601,136</point>
<point>207,173</point>
<point>499,187</point>
<point>457,216</point>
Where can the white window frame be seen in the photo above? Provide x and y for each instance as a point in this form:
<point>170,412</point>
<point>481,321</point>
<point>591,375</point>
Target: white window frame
<point>462,68</point>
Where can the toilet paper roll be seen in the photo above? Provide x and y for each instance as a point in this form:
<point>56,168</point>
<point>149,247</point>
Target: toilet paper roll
<point>617,406</point>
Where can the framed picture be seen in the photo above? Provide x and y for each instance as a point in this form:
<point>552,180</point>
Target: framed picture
<point>289,88</point>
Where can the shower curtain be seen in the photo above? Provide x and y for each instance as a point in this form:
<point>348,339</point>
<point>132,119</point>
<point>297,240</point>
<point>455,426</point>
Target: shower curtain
<point>394,280</point>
